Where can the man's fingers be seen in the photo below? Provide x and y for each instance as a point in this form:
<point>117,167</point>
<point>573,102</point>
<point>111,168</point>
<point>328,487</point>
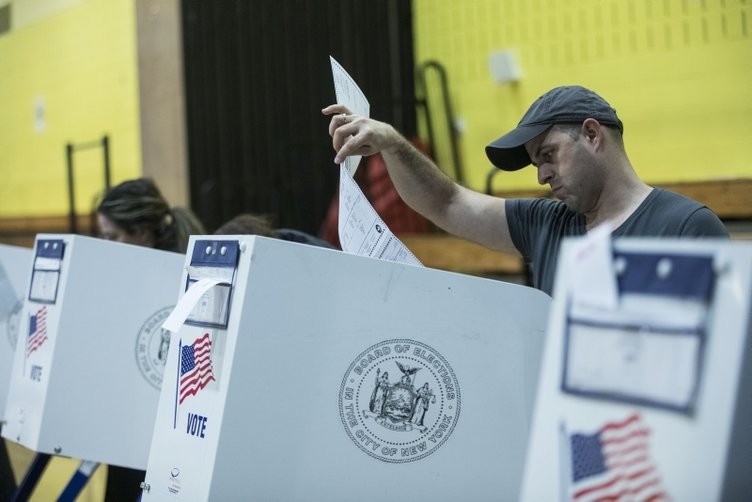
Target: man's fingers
<point>342,140</point>
<point>339,120</point>
<point>351,134</point>
<point>335,109</point>
<point>353,145</point>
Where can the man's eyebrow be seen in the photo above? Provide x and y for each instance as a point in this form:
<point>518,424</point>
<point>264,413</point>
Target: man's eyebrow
<point>538,150</point>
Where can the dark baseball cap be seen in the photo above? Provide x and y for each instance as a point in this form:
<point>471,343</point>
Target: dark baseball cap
<point>570,104</point>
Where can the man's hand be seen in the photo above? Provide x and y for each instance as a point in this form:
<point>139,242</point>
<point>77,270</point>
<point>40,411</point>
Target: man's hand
<point>357,135</point>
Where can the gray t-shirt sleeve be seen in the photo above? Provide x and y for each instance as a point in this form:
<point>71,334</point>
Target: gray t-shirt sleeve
<point>702,222</point>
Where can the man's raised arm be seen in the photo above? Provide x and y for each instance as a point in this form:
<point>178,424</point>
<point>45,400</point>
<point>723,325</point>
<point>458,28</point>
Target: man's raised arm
<point>421,184</point>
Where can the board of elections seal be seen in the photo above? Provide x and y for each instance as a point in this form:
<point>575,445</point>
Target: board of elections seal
<point>152,344</point>
<point>399,401</point>
<point>12,321</point>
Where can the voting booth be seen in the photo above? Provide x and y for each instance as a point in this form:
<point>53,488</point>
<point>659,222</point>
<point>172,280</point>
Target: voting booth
<point>646,396</point>
<point>302,373</point>
<point>14,269</point>
<point>90,354</point>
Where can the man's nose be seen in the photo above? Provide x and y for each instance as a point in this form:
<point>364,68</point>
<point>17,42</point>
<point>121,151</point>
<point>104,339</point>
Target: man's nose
<point>544,174</point>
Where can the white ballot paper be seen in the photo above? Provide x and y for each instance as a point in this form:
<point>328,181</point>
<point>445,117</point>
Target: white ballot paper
<point>196,302</point>
<point>593,280</point>
<point>361,230</point>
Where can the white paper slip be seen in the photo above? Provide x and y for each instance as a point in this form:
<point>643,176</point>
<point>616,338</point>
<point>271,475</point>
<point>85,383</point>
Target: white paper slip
<point>349,94</point>
<point>361,231</point>
<point>593,280</point>
<point>188,302</point>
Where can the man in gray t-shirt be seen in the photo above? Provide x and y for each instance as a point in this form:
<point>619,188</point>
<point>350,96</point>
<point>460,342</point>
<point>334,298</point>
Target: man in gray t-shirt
<point>574,139</point>
<point>537,227</point>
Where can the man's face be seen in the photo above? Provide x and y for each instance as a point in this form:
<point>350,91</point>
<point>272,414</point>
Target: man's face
<point>567,165</point>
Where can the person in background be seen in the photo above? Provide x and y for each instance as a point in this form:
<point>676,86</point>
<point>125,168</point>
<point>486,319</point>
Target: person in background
<point>574,139</point>
<point>253,224</point>
<point>135,212</point>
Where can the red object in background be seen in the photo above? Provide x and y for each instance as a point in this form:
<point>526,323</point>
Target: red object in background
<point>379,189</point>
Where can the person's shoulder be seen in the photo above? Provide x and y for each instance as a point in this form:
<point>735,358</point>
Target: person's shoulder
<point>697,219</point>
<point>663,196</point>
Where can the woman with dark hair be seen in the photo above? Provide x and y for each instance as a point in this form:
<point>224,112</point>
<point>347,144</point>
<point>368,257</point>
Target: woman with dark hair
<point>135,212</point>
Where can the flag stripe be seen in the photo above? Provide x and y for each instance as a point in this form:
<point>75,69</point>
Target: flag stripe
<point>193,389</point>
<point>36,343</point>
<point>617,440</point>
<point>658,496</point>
<point>612,481</point>
<point>608,426</point>
<point>629,493</point>
<point>630,463</point>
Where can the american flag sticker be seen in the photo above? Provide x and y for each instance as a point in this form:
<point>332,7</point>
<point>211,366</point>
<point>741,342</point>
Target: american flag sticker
<point>613,464</point>
<point>194,369</point>
<point>37,331</point>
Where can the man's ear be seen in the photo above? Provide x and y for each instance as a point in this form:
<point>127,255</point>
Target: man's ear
<point>591,128</point>
<point>593,131</point>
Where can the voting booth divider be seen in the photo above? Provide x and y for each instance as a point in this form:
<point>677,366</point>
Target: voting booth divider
<point>90,355</point>
<point>15,262</point>
<point>646,396</point>
<point>14,265</point>
<point>301,373</point>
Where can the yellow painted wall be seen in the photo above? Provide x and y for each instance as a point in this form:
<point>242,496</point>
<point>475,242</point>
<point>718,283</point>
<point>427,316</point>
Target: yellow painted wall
<point>679,73</point>
<point>78,58</point>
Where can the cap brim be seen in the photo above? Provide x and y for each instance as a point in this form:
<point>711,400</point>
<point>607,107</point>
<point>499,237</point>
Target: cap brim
<point>508,152</point>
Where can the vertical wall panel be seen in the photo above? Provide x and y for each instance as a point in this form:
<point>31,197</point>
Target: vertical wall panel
<point>257,76</point>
